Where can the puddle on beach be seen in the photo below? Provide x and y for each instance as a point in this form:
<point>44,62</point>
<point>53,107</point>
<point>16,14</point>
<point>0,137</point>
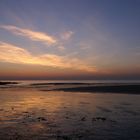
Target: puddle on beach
<point>32,114</point>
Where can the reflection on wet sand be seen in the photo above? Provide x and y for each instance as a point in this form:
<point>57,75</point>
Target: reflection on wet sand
<point>32,114</point>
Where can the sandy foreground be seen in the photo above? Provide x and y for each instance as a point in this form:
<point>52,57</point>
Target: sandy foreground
<point>38,114</point>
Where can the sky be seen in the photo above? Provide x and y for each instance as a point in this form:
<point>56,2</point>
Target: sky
<point>69,39</point>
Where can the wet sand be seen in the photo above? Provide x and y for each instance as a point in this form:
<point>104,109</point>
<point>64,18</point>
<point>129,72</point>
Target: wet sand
<point>128,89</point>
<point>124,88</point>
<point>33,114</point>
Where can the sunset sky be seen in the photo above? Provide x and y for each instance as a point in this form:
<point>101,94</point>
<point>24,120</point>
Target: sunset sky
<point>69,39</point>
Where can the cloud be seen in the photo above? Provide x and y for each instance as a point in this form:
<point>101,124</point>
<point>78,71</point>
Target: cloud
<point>40,36</point>
<point>61,47</point>
<point>33,35</point>
<point>14,54</point>
<point>67,35</point>
<point>84,46</point>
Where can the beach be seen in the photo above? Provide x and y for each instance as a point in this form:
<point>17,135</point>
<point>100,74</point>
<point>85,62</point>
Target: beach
<point>69,111</point>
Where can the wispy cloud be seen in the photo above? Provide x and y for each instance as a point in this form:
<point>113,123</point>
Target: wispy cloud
<point>83,46</point>
<point>67,35</point>
<point>41,36</point>
<point>14,54</point>
<point>33,35</point>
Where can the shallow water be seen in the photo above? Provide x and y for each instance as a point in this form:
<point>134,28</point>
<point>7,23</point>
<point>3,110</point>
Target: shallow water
<point>34,114</point>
